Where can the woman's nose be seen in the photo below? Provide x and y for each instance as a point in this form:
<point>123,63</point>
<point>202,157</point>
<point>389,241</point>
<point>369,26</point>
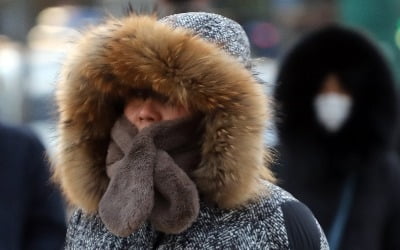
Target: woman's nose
<point>149,111</point>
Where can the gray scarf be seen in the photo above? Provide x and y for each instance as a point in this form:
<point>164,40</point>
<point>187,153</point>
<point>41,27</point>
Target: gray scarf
<point>148,177</point>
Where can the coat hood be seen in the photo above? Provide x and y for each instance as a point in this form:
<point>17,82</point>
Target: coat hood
<point>120,56</point>
<point>362,71</point>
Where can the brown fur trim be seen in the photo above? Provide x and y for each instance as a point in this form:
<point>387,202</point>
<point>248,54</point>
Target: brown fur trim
<point>140,52</point>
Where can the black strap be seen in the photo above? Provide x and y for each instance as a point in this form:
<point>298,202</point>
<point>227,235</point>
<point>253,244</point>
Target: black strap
<point>301,226</point>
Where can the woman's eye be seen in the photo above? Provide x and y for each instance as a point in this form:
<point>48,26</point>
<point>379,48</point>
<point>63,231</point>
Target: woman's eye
<point>141,94</point>
<point>163,99</point>
<point>159,97</point>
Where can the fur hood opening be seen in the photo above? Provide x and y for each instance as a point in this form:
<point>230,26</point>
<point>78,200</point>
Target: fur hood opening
<point>140,52</point>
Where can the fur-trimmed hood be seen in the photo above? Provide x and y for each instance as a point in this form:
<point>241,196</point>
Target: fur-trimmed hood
<point>139,51</point>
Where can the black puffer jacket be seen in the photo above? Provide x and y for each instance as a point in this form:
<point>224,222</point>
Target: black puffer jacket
<point>315,164</point>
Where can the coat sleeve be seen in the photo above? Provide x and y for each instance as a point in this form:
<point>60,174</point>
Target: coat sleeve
<point>392,229</point>
<point>88,232</point>
<point>303,230</point>
<point>45,226</point>
<point>392,232</point>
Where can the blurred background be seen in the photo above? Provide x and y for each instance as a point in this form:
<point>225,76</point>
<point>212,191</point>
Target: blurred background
<point>36,35</point>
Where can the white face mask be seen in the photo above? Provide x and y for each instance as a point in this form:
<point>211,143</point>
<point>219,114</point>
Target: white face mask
<point>332,110</point>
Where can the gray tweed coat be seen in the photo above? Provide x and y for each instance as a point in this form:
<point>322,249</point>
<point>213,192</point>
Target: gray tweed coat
<point>260,225</point>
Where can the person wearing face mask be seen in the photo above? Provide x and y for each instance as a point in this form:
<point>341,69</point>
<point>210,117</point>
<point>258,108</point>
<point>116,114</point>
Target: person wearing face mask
<point>161,146</point>
<point>332,104</point>
<point>336,121</point>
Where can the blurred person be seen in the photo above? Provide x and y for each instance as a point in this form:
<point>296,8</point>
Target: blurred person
<point>337,122</point>
<point>161,141</point>
<point>31,210</point>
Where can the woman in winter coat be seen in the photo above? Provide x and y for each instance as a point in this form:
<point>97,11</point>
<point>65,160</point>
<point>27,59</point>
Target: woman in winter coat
<point>337,117</point>
<point>161,125</point>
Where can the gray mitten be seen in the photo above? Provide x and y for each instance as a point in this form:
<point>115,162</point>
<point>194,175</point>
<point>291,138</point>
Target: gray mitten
<point>128,200</point>
<point>176,203</point>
